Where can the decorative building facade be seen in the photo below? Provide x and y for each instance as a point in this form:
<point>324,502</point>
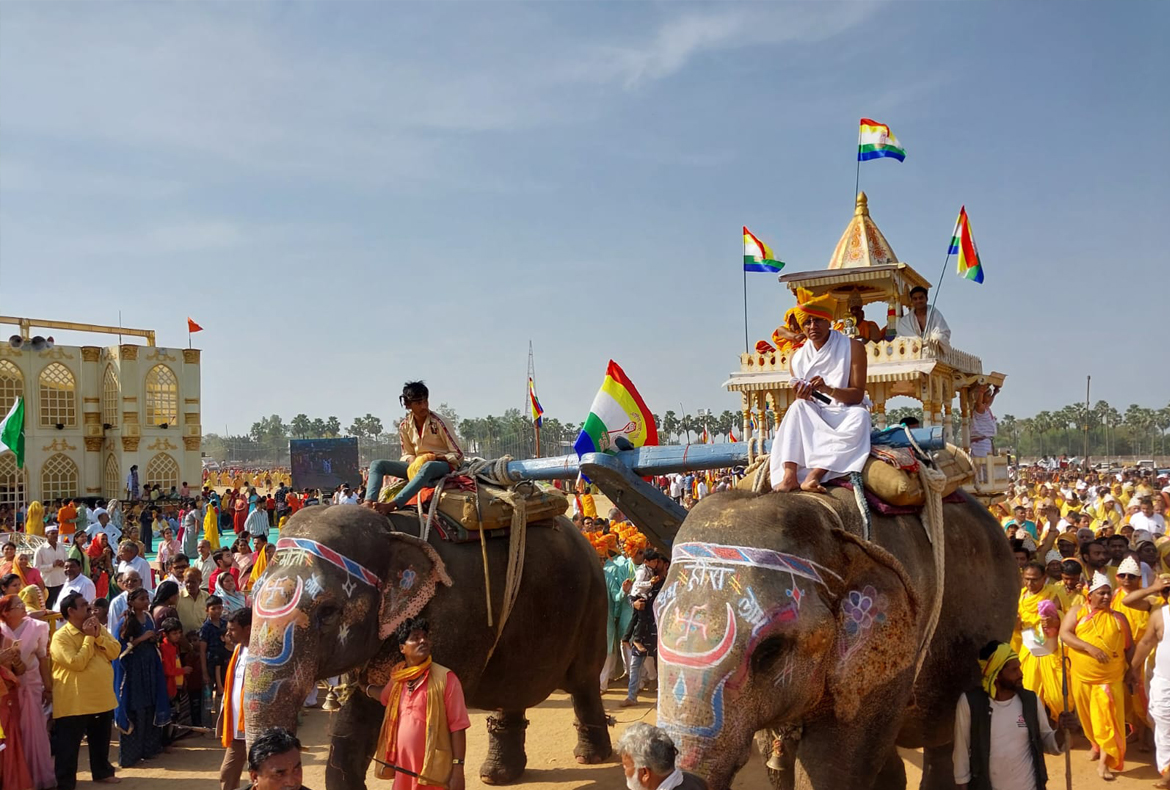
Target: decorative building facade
<point>92,412</point>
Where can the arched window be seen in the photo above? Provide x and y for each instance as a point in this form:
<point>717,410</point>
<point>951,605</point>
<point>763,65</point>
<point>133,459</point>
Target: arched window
<point>58,397</point>
<point>110,397</point>
<point>162,396</point>
<point>11,481</point>
<point>112,479</point>
<point>59,478</point>
<point>11,386</point>
<point>162,470</point>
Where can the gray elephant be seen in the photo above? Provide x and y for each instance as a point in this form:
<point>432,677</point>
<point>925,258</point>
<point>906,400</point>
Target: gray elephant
<point>776,615</point>
<point>340,583</point>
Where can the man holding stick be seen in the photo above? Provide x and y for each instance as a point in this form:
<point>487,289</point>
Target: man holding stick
<point>423,740</point>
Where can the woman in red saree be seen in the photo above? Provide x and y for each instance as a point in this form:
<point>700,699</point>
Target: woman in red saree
<point>14,773</point>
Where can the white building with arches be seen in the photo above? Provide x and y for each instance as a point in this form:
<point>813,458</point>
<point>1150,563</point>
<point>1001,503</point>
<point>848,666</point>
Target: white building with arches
<point>92,412</point>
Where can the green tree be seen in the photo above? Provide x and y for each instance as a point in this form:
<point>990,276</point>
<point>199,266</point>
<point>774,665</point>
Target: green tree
<point>374,426</point>
<point>670,424</point>
<point>317,428</point>
<point>300,426</point>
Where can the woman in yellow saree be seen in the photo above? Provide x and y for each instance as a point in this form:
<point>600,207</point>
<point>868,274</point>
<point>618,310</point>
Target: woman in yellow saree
<point>1100,648</point>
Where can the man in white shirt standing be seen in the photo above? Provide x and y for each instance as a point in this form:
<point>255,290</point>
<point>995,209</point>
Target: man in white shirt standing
<point>102,523</point>
<point>1002,730</point>
<point>49,559</point>
<point>346,496</point>
<point>76,581</point>
<point>130,561</point>
<point>1147,519</point>
<point>923,322</point>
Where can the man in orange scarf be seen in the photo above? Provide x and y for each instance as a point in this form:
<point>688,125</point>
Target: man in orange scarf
<point>424,731</point>
<point>230,727</point>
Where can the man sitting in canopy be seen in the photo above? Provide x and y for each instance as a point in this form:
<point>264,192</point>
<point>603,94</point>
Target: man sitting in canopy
<point>921,321</point>
<point>867,331</point>
<point>819,440</point>
<point>429,451</point>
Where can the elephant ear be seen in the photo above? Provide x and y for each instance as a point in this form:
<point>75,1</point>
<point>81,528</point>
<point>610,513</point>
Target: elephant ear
<point>877,623</point>
<point>409,584</point>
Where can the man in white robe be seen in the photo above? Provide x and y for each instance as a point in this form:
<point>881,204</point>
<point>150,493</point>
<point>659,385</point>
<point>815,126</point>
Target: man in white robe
<point>916,323</point>
<point>819,441</point>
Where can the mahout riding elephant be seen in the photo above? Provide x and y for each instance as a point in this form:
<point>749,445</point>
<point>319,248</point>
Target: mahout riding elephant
<point>342,580</point>
<point>777,615</point>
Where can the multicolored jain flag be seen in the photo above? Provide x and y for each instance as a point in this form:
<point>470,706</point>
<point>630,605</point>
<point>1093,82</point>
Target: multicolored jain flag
<point>963,245</point>
<point>12,432</point>
<point>534,402</point>
<point>875,140</point>
<point>758,256</point>
<point>617,411</point>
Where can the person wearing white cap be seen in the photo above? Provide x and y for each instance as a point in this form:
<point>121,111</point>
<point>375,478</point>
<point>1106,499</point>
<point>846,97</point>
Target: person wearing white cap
<point>49,559</point>
<point>1052,562</point>
<point>1129,580</point>
<point>1159,695</point>
<point>1100,649</point>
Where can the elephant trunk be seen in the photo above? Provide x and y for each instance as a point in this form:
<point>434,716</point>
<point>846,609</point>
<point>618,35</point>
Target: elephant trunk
<point>714,759</point>
<point>274,694</point>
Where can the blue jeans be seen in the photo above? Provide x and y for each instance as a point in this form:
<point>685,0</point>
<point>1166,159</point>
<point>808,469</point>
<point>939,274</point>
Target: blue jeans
<point>636,661</point>
<point>430,474</point>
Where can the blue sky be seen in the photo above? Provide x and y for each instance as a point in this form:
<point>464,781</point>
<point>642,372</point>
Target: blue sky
<point>349,195</point>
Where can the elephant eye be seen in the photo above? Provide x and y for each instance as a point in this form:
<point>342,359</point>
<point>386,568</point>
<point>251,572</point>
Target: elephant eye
<point>327,612</point>
<point>769,651</point>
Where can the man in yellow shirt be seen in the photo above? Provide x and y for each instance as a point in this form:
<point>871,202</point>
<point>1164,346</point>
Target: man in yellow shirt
<point>83,692</point>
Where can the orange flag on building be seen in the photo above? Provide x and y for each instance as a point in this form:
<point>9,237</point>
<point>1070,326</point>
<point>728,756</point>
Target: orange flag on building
<point>192,326</point>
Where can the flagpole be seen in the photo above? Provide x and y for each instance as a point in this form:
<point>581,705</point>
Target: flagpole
<point>746,348</point>
<point>857,175</point>
<point>942,277</point>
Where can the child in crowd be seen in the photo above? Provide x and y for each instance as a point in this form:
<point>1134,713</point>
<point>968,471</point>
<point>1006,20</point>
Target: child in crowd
<point>215,653</point>
<point>176,675</point>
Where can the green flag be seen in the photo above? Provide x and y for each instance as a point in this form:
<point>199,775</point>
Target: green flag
<point>12,432</point>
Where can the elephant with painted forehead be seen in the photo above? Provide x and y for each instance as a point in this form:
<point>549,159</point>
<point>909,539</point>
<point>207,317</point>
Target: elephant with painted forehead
<point>778,615</point>
<point>343,578</point>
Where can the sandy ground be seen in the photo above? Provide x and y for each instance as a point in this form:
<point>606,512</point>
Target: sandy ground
<point>195,763</point>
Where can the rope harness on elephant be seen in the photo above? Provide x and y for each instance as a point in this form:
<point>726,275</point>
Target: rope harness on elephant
<point>494,474</point>
<point>933,482</point>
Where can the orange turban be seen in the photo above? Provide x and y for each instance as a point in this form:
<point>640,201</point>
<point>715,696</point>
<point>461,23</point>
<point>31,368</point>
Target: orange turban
<point>809,306</point>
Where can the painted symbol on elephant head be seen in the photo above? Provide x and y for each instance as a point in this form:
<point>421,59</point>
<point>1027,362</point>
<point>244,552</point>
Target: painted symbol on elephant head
<point>707,658</point>
<point>692,623</point>
<point>861,610</point>
<point>314,586</point>
<point>276,609</point>
<point>407,579</point>
<point>349,585</point>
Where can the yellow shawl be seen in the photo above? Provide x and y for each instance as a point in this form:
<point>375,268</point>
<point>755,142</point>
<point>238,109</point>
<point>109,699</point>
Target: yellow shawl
<point>436,769</point>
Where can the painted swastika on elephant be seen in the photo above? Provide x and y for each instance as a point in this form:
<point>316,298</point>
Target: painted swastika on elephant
<point>705,658</point>
<point>693,622</point>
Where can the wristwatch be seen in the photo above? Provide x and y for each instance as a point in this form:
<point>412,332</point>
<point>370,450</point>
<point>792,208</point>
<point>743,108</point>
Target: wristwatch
<point>457,761</point>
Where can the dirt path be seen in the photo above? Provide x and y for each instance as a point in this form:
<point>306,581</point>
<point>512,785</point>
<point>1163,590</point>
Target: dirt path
<point>195,764</point>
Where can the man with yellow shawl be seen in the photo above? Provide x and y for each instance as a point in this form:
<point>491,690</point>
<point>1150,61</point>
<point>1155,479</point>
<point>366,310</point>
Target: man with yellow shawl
<point>1037,625</point>
<point>1100,649</point>
<point>423,741</point>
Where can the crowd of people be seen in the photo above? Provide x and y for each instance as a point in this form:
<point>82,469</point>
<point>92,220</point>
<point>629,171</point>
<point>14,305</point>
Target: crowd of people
<point>1094,561</point>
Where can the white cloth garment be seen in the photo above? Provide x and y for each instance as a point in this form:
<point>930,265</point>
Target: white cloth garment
<point>113,534</point>
<point>1010,760</point>
<point>1155,524</point>
<point>936,328</point>
<point>1159,706</point>
<point>81,584</point>
<point>142,567</point>
<point>43,559</point>
<point>817,436</point>
<point>983,428</point>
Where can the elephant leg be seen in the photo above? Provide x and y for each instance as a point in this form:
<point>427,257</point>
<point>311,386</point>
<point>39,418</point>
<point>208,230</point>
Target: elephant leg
<point>592,725</point>
<point>353,732</point>
<point>505,759</point>
<point>892,776</point>
<point>938,768</point>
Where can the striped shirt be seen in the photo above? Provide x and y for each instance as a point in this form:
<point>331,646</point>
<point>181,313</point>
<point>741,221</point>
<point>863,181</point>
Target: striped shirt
<point>257,522</point>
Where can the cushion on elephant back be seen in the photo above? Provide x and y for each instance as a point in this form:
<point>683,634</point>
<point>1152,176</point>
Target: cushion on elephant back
<point>899,487</point>
<point>493,511</point>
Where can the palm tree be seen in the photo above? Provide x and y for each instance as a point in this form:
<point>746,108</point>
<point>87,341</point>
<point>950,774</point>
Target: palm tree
<point>300,426</point>
<point>1043,423</point>
<point>688,424</point>
<point>1011,428</point>
<point>670,424</point>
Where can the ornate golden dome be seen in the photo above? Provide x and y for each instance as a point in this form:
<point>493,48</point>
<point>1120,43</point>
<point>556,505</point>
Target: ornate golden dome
<point>862,244</point>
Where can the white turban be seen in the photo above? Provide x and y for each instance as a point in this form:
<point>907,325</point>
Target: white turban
<point>1053,556</point>
<point>1099,580</point>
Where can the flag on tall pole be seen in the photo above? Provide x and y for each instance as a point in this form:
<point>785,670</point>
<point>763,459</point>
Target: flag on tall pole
<point>617,411</point>
<point>963,245</point>
<point>12,432</point>
<point>534,403</point>
<point>758,256</point>
<point>192,326</point>
<point>875,140</point>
